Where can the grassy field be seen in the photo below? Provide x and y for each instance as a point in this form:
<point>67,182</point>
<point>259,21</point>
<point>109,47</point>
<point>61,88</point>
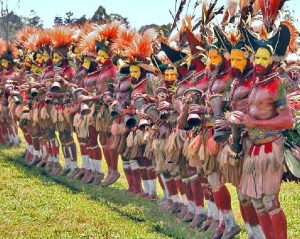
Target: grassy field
<point>37,205</point>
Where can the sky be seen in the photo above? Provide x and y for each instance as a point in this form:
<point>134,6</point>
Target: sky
<point>138,12</point>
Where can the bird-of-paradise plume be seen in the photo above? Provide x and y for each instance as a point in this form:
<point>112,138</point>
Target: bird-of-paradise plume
<point>176,17</point>
<point>61,36</point>
<point>140,48</point>
<point>108,31</point>
<point>123,40</point>
<point>180,37</point>
<point>23,34</point>
<point>270,9</point>
<point>208,12</point>
<point>87,45</point>
<point>229,12</point>
<point>44,38</point>
<point>30,43</point>
<point>248,9</point>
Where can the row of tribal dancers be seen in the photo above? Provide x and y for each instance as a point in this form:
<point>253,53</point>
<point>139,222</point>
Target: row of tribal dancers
<point>166,121</point>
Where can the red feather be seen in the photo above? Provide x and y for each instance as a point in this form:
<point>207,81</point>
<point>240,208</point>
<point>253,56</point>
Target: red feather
<point>2,46</point>
<point>140,48</point>
<point>62,36</point>
<point>44,37</point>
<point>124,39</point>
<point>269,9</point>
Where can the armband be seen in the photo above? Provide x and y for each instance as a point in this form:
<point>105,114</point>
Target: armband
<point>280,103</point>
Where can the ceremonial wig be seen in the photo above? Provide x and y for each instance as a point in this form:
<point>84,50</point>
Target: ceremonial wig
<point>106,35</point>
<point>123,40</point>
<point>139,51</point>
<point>10,52</point>
<point>44,41</point>
<point>61,40</point>
<point>80,31</point>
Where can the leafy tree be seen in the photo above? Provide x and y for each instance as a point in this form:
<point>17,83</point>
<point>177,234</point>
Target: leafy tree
<point>100,16</point>
<point>9,22</point>
<point>144,28</point>
<point>33,20</point>
<point>165,29</point>
<point>58,20</point>
<point>69,20</point>
<point>80,21</point>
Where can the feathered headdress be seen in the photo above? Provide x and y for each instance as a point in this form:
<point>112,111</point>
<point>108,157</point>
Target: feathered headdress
<point>140,49</point>
<point>277,45</point>
<point>229,12</point>
<point>10,52</point>
<point>107,33</point>
<point>44,40</point>
<point>81,30</point>
<point>269,10</point>
<point>2,46</point>
<point>87,44</point>
<point>61,40</point>
<point>292,62</point>
<point>123,40</point>
<point>23,34</point>
<point>161,62</point>
<point>248,8</point>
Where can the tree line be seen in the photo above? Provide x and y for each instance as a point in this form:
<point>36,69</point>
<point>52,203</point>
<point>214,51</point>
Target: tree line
<point>10,22</point>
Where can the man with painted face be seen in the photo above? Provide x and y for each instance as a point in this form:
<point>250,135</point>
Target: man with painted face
<point>65,73</point>
<point>9,73</point>
<point>141,167</point>
<point>219,74</point>
<point>98,81</point>
<point>231,158</point>
<point>266,116</point>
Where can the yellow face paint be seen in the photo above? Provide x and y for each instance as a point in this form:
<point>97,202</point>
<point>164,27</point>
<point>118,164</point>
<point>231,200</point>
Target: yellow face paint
<point>56,57</point>
<point>170,75</point>
<point>36,70</point>
<point>86,63</point>
<point>262,57</point>
<point>39,58</point>
<point>214,57</point>
<point>238,60</point>
<point>135,71</point>
<point>4,63</point>
<point>45,56</point>
<point>102,56</point>
<point>77,54</point>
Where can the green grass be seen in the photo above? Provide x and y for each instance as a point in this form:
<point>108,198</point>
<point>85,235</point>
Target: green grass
<point>37,205</point>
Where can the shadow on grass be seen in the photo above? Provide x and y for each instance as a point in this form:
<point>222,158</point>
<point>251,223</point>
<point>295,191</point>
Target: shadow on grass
<point>129,206</point>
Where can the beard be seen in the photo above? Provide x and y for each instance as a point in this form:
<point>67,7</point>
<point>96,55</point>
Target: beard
<point>58,64</point>
<point>212,71</point>
<point>236,72</point>
<point>134,80</point>
<point>261,70</point>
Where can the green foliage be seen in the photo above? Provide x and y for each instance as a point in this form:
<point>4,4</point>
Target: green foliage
<point>33,20</point>
<point>10,23</point>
